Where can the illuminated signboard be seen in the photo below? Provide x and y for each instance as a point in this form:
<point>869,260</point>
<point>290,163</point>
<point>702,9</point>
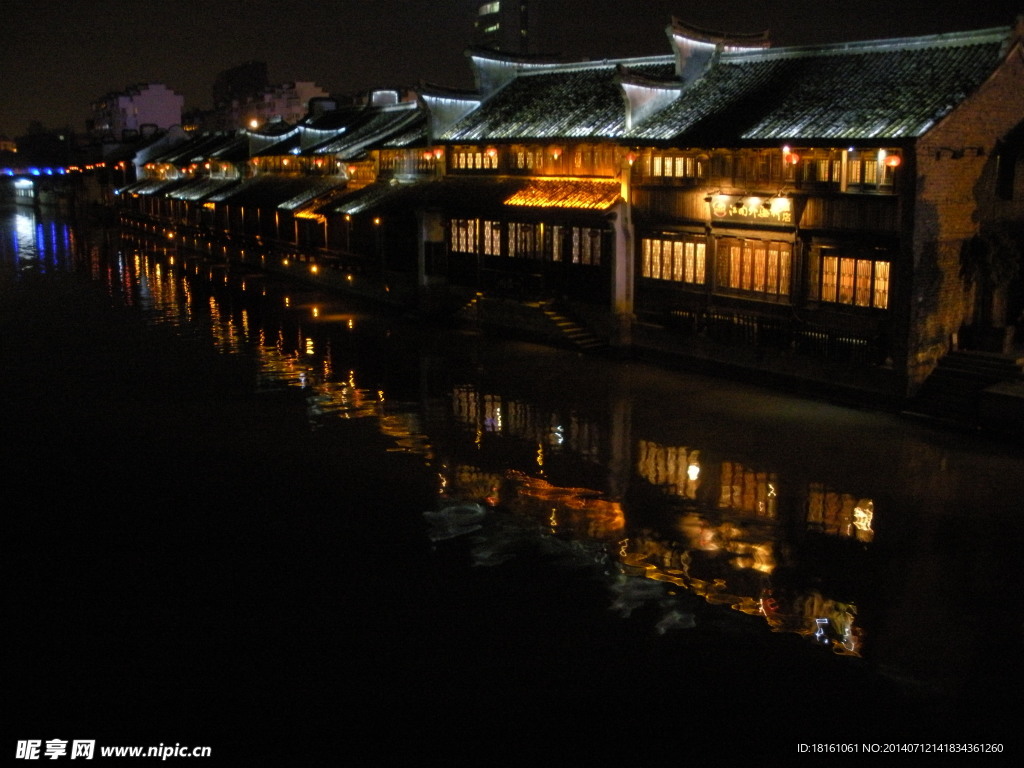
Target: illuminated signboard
<point>751,209</point>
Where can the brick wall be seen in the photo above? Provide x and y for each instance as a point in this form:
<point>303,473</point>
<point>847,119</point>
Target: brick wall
<point>952,165</point>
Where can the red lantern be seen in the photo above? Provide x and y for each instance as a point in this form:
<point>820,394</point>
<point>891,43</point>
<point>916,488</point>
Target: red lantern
<point>893,161</point>
<point>791,158</point>
<point>491,152</point>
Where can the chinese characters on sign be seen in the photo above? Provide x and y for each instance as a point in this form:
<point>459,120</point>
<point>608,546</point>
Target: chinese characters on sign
<point>775,210</point>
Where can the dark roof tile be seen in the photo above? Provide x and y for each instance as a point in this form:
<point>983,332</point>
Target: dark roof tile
<point>881,90</point>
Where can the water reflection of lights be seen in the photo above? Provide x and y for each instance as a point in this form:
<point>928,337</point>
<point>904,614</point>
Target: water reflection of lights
<point>726,563</point>
<point>726,545</point>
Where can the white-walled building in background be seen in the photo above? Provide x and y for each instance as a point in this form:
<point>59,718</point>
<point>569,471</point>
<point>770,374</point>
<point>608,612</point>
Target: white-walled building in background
<point>150,104</point>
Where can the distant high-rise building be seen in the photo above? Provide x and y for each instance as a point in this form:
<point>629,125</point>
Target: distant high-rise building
<point>240,83</point>
<point>503,25</point>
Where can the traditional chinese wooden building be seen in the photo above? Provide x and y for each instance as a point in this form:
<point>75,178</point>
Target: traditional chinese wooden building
<point>831,214</point>
<point>800,209</point>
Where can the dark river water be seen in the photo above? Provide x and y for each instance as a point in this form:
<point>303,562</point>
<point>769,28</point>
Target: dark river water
<point>251,515</point>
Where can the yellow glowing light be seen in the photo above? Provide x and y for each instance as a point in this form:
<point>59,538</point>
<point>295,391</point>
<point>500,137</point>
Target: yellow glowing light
<point>314,269</point>
<point>567,193</point>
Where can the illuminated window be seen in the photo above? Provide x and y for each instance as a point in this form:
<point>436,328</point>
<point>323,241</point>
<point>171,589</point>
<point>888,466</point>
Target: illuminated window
<point>677,166</point>
<point>492,238</point>
<point>678,260</point>
<point>758,267</point>
<point>523,240</point>
<point>854,281</point>
<point>486,8</point>
<point>586,246</point>
<point>854,172</point>
<point>870,172</point>
<point>465,235</point>
<point>557,235</point>
<point>869,169</point>
<point>473,159</point>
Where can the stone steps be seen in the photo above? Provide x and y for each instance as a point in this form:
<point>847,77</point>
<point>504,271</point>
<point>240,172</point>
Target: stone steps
<point>954,388</point>
<point>577,336</point>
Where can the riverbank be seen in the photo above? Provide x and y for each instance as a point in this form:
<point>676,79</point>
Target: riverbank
<point>984,399</point>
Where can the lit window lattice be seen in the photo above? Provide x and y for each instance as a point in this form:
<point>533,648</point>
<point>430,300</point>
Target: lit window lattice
<point>681,261</point>
<point>856,282</point>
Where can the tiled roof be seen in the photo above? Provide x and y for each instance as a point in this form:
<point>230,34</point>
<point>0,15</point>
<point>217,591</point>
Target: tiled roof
<point>578,101</point>
<point>889,89</point>
<point>315,188</point>
<point>198,189</point>
<point>480,195</point>
<point>885,89</point>
<point>567,193</point>
<point>200,148</point>
<point>154,186</point>
<point>372,128</point>
<point>274,145</point>
<point>268,191</point>
<point>375,197</point>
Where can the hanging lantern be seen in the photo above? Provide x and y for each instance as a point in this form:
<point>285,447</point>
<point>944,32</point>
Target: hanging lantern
<point>631,157</point>
<point>791,158</point>
<point>438,153</point>
<point>491,152</point>
<point>428,155</point>
<point>556,152</point>
<point>893,161</point>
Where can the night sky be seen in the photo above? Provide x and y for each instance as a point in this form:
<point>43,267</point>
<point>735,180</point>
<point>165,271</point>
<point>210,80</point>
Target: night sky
<point>57,57</point>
